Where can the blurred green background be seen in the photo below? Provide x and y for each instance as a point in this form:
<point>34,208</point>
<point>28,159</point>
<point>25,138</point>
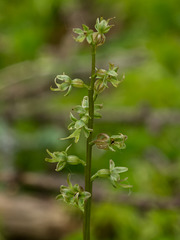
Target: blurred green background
<point>36,44</point>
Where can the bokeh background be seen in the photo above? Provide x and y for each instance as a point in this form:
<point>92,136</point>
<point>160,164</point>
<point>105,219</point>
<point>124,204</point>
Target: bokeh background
<point>36,44</point>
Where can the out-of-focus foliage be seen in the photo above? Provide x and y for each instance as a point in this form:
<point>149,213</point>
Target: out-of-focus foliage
<point>145,44</point>
<point>125,223</point>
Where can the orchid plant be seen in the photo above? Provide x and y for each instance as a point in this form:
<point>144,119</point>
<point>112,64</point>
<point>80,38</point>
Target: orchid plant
<point>100,79</point>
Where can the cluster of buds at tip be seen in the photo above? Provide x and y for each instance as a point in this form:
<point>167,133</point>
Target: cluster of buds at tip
<point>67,84</point>
<point>74,195</point>
<point>95,38</point>
<point>113,173</point>
<point>62,158</point>
<point>102,26</point>
<point>103,77</point>
<point>106,142</point>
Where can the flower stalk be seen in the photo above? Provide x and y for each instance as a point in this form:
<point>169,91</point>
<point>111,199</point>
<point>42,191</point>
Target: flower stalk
<point>88,184</point>
<point>84,123</point>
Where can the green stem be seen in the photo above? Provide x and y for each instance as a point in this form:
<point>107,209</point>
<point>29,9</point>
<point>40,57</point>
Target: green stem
<point>88,184</point>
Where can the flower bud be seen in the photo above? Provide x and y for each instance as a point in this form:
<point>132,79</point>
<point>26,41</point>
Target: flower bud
<point>74,160</point>
<point>78,83</point>
<point>98,38</point>
<point>99,86</point>
<point>102,173</point>
<point>102,141</point>
<point>101,72</point>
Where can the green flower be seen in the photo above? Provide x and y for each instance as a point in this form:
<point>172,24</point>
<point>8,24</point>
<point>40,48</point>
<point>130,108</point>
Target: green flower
<point>113,173</point>
<point>79,125</point>
<point>74,195</point>
<point>84,33</point>
<point>83,110</point>
<point>67,84</point>
<point>102,25</point>
<point>103,77</point>
<point>62,158</point>
<point>105,142</point>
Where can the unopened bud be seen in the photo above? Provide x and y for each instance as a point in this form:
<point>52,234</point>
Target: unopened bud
<point>102,173</point>
<point>99,86</point>
<point>78,83</point>
<point>74,160</point>
<point>98,38</point>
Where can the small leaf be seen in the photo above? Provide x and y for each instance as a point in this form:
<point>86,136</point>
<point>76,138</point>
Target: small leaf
<point>97,115</point>
<point>79,109</point>
<point>115,83</point>
<point>80,38</point>
<point>68,147</point>
<point>85,28</point>
<point>72,117</point>
<point>86,132</point>
<point>78,31</point>
<point>68,180</point>
<point>85,195</point>
<point>112,165</point>
<point>60,166</point>
<point>89,38</point>
<point>119,169</point>
<point>75,134</point>
<point>98,106</point>
<point>69,89</point>
<point>79,124</point>
<point>59,197</point>
<point>71,126</point>
<point>63,77</point>
<point>51,160</point>
<point>63,86</point>
<point>54,89</point>
<point>85,102</point>
<point>112,73</point>
<point>125,185</point>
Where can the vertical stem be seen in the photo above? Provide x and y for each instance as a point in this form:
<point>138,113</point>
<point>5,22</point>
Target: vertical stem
<point>88,184</point>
